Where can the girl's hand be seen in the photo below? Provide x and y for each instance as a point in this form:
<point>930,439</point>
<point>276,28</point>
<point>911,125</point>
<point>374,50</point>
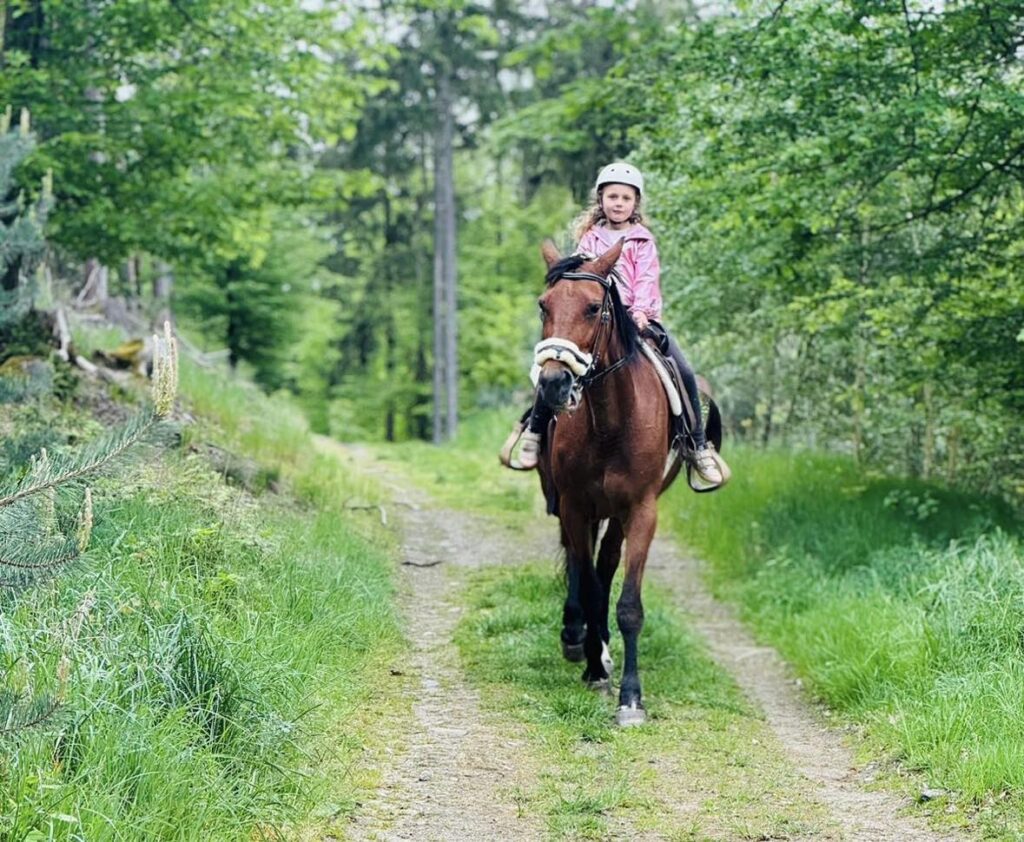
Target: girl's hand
<point>641,320</point>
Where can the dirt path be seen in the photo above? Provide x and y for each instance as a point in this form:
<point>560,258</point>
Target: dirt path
<point>462,774</point>
<point>815,750</point>
<point>459,777</point>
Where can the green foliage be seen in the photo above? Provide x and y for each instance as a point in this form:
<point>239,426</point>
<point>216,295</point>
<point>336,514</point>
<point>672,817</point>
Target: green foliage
<point>193,714</point>
<point>261,301</point>
<point>217,622</point>
<point>582,103</point>
<point>842,194</point>
<point>139,106</point>
<point>46,519</point>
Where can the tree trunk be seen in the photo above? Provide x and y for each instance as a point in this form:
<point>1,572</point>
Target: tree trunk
<point>234,328</point>
<point>390,337</point>
<point>928,445</point>
<point>96,289</point>
<point>419,419</point>
<point>857,400</point>
<point>773,352</point>
<point>445,293</point>
<point>163,288</point>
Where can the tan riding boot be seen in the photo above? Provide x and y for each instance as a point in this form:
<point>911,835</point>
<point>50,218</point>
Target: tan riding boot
<point>710,466</point>
<point>529,453</point>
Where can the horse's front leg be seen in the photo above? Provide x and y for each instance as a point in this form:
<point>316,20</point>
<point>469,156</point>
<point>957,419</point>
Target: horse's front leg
<point>573,625</point>
<point>608,556</point>
<point>580,565</point>
<point>639,532</point>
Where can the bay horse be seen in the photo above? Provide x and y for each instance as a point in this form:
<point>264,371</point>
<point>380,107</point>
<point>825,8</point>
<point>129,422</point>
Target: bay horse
<point>608,457</point>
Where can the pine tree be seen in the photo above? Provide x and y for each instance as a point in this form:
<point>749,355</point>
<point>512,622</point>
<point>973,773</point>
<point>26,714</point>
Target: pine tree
<point>21,222</point>
<point>46,520</point>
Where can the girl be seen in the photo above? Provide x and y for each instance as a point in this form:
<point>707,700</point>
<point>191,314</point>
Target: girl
<point>616,215</point>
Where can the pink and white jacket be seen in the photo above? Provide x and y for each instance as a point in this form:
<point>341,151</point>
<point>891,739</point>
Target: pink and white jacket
<point>637,266</point>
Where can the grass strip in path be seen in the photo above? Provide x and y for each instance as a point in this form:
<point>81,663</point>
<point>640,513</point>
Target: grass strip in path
<point>704,767</point>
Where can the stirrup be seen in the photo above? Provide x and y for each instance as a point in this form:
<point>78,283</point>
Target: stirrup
<point>698,483</point>
<point>505,456</point>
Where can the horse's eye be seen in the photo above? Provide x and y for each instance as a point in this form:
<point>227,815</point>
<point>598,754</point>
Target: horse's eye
<point>543,312</point>
<point>593,309</point>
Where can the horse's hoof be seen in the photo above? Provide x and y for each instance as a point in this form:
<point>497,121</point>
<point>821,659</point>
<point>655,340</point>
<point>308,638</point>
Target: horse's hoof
<point>628,716</point>
<point>600,685</point>
<point>572,652</point>
<point>606,659</point>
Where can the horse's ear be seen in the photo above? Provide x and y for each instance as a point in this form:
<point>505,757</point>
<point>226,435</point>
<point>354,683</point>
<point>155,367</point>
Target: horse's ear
<point>549,251</point>
<point>603,265</point>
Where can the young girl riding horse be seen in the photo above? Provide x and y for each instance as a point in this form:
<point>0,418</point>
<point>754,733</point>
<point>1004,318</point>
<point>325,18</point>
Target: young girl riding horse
<point>616,215</point>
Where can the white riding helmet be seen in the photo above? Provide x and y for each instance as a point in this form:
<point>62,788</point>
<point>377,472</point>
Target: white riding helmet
<point>620,173</point>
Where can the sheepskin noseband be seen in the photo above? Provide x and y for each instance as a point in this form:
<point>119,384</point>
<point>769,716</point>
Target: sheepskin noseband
<point>564,351</point>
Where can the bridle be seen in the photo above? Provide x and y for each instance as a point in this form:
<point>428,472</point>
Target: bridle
<point>584,366</point>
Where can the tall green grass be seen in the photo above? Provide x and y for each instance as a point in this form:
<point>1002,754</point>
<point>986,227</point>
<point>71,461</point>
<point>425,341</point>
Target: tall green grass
<point>465,472</point>
<point>901,602</point>
<point>229,634</point>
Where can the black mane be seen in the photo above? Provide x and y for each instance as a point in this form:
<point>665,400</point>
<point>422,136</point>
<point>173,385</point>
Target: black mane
<point>566,264</point>
<point>624,324</point>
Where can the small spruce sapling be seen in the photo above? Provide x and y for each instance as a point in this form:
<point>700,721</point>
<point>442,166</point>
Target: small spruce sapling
<point>46,520</point>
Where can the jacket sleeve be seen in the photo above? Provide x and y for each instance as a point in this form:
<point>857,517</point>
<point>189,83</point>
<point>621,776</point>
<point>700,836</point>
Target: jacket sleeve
<point>646,280</point>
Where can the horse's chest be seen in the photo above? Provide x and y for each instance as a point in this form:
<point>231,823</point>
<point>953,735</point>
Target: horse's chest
<point>606,482</point>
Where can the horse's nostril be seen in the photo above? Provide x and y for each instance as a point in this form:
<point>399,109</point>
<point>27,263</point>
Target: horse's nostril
<point>555,387</point>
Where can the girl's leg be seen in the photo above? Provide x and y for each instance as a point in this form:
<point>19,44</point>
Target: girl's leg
<point>690,384</point>
<point>529,453</point>
<point>709,465</point>
<point>540,417</point>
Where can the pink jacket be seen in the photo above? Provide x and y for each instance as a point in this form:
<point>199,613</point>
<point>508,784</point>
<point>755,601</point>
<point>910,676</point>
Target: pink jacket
<point>638,266</point>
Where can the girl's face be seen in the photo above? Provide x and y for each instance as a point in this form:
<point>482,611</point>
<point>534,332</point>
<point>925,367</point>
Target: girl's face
<point>618,201</point>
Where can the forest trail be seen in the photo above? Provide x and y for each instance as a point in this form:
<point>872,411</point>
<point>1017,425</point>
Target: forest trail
<point>458,778</point>
<point>462,773</point>
<point>815,750</point>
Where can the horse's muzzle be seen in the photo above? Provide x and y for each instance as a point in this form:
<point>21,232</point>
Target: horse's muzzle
<point>555,385</point>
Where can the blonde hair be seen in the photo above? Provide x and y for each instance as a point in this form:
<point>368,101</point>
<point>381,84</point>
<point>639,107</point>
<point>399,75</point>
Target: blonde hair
<point>594,215</point>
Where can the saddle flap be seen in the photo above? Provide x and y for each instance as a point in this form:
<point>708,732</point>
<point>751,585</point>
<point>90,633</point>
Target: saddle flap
<point>672,391</point>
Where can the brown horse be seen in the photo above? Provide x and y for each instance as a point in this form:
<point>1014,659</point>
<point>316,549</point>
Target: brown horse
<point>607,459</point>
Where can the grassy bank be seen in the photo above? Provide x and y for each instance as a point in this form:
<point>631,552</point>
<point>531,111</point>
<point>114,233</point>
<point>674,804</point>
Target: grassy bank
<point>230,634</point>
<point>901,602</point>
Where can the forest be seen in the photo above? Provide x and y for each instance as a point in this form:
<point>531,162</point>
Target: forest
<point>834,190</point>
<point>343,202</point>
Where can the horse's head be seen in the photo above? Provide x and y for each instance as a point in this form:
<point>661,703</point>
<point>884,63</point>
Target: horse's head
<point>577,310</point>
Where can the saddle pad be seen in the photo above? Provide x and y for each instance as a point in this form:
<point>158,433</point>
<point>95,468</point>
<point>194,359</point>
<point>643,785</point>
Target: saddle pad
<point>674,401</point>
